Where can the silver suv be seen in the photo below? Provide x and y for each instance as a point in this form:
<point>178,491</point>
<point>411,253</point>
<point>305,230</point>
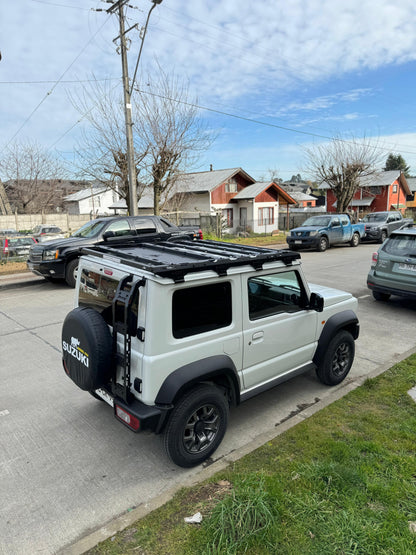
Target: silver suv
<point>173,333</point>
<point>393,267</point>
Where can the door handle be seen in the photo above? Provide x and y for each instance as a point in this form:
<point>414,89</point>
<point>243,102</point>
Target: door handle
<point>258,336</point>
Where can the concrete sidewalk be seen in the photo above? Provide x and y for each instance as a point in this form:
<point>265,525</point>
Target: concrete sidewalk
<point>22,279</point>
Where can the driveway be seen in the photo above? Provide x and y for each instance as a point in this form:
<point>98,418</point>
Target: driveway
<point>68,467</point>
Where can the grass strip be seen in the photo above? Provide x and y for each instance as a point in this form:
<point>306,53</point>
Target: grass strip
<point>341,482</point>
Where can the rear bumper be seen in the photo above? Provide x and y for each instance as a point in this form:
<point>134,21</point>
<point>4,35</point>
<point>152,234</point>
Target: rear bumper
<point>382,287</point>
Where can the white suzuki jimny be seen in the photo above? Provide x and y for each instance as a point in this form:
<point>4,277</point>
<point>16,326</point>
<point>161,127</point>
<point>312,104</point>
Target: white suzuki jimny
<point>172,333</point>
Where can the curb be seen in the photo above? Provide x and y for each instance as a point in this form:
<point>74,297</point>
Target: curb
<point>10,281</point>
<point>127,519</point>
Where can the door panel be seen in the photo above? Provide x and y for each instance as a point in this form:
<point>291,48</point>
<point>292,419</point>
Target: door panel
<point>279,335</point>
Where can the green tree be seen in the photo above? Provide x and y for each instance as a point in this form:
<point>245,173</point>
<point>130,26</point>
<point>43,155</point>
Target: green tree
<point>397,162</point>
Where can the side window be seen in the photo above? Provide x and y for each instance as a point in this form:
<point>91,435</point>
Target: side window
<point>200,309</point>
<point>143,226</point>
<point>335,222</point>
<point>120,227</point>
<point>275,293</point>
<point>344,220</point>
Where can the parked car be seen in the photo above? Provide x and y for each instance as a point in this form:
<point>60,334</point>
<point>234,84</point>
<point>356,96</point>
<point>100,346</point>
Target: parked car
<point>16,246</point>
<point>393,267</point>
<point>47,232</point>
<point>172,333</point>
<point>321,232</point>
<point>380,225</point>
<point>59,259</point>
<point>9,231</point>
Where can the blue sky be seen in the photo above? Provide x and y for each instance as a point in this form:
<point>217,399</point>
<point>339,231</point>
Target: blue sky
<point>317,69</point>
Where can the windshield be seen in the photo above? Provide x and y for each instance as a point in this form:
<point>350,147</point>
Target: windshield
<point>317,220</point>
<point>90,229</point>
<point>401,245</point>
<point>374,218</point>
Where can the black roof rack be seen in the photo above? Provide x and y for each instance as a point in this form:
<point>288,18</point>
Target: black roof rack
<point>176,258</point>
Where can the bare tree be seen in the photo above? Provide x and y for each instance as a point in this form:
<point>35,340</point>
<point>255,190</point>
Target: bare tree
<point>31,177</point>
<point>101,152</point>
<point>168,135</point>
<point>341,164</point>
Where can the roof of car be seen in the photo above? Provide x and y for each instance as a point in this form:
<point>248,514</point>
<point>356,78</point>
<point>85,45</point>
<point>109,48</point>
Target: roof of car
<point>175,259</point>
<point>404,231</point>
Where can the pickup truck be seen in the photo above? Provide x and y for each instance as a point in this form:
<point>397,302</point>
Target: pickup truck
<point>379,225</point>
<point>321,232</point>
<point>58,259</point>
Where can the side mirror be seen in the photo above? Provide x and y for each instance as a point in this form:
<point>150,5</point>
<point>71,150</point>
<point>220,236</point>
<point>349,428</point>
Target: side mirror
<point>108,234</point>
<point>316,302</point>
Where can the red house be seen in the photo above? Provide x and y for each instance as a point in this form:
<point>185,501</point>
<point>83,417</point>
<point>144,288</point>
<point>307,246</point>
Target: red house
<point>377,193</point>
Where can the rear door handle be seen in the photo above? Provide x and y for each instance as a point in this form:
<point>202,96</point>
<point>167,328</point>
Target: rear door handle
<point>258,336</point>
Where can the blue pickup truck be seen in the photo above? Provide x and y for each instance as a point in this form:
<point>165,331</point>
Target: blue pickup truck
<point>321,232</point>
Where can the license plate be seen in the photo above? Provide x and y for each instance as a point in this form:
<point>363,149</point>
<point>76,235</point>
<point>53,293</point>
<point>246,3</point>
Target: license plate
<point>105,396</point>
<point>298,242</point>
<point>408,267</point>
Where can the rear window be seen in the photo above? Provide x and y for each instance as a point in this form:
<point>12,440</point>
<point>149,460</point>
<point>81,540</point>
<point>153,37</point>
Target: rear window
<point>98,291</point>
<point>200,309</point>
<point>401,245</point>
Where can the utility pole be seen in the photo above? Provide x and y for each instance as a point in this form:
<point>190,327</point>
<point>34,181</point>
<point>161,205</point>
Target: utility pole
<point>131,167</point>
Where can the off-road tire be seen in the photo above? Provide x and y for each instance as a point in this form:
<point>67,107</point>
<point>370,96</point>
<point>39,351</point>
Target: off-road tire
<point>355,240</point>
<point>71,272</point>
<point>338,359</point>
<point>381,296</point>
<point>196,425</point>
<point>323,244</point>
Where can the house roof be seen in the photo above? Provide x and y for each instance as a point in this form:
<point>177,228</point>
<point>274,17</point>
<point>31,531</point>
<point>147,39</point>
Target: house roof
<point>411,181</point>
<point>300,197</point>
<point>85,193</point>
<point>252,191</point>
<point>202,182</point>
<point>381,179</point>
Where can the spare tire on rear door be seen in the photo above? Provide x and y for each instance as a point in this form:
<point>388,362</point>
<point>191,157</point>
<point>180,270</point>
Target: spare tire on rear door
<point>86,348</point>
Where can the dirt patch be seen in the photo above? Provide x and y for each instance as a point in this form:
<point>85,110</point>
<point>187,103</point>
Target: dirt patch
<point>13,268</point>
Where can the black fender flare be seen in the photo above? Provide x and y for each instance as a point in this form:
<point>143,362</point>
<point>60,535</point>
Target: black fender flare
<point>345,320</point>
<point>219,369</point>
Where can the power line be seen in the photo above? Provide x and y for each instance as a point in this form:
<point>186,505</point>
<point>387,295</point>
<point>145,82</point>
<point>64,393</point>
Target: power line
<point>258,122</point>
<point>61,81</point>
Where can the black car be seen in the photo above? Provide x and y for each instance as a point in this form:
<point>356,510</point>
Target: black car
<point>58,259</point>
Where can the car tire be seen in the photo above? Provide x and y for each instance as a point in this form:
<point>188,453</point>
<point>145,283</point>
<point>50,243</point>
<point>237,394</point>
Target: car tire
<point>71,272</point>
<point>381,296</point>
<point>337,360</point>
<point>383,236</point>
<point>323,244</point>
<point>355,240</point>
<point>196,425</point>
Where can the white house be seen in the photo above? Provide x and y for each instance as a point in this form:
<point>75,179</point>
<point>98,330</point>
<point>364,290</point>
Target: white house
<point>95,201</point>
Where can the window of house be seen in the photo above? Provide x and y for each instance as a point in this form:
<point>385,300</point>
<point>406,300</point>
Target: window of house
<point>266,216</point>
<point>231,186</point>
<point>395,188</point>
<point>275,293</point>
<point>201,309</point>
<point>227,214</point>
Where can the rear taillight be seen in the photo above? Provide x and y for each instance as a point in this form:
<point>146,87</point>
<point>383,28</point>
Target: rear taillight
<point>128,419</point>
<point>200,235</point>
<point>6,246</point>
<point>374,259</point>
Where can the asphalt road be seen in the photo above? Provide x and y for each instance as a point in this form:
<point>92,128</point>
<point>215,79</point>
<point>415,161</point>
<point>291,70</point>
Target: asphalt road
<point>67,467</point>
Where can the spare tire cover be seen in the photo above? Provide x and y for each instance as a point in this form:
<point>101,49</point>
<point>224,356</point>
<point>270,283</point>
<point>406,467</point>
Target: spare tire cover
<point>86,348</point>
